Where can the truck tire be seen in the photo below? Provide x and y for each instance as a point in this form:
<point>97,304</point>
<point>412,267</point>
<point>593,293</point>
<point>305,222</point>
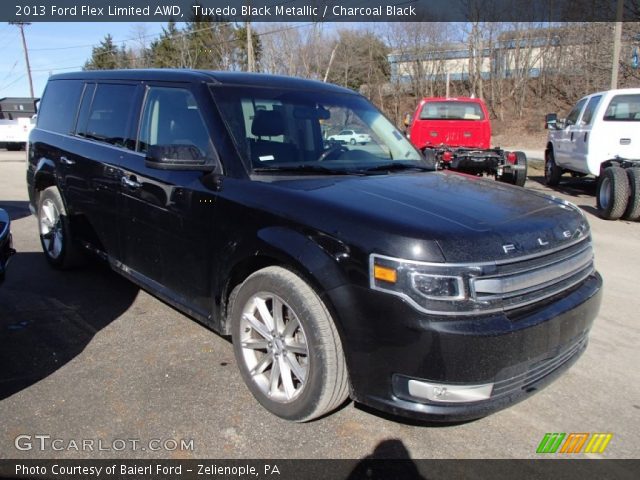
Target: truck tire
<point>287,346</point>
<point>520,176</point>
<point>14,147</point>
<point>612,195</point>
<point>430,158</point>
<point>552,172</point>
<point>59,247</point>
<point>633,208</point>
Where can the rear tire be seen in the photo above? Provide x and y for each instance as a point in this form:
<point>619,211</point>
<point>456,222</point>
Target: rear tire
<point>633,208</point>
<point>352,141</point>
<point>56,238</point>
<point>287,347</point>
<point>612,195</point>
<point>552,172</point>
<point>518,177</point>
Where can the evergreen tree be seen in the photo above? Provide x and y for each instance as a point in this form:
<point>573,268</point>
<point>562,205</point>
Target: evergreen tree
<point>107,56</point>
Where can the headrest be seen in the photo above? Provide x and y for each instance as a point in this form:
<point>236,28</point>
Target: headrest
<point>267,123</point>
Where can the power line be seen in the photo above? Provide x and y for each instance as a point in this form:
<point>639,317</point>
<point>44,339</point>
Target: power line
<point>184,34</point>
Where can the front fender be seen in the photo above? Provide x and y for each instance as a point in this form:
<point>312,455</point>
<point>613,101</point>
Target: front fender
<point>315,256</point>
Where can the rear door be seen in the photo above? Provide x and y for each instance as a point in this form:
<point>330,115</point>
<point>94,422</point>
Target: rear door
<point>168,215</point>
<point>102,142</point>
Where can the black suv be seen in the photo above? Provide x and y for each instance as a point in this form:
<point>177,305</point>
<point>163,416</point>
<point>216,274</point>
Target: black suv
<point>338,270</point>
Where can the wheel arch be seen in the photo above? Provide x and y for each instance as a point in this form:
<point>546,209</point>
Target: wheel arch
<point>314,258</point>
<point>44,177</point>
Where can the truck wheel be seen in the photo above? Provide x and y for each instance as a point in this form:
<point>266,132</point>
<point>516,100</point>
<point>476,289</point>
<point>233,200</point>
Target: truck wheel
<point>352,141</point>
<point>520,176</point>
<point>430,158</point>
<point>613,193</point>
<point>633,208</point>
<point>552,172</point>
<point>287,347</point>
<point>58,244</point>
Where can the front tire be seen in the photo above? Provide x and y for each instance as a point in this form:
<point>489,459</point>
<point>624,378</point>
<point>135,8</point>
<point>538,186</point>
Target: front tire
<point>352,141</point>
<point>552,172</point>
<point>287,347</point>
<point>612,195</point>
<point>58,244</point>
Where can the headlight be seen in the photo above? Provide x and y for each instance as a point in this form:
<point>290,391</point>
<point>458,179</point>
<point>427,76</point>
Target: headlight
<point>429,287</point>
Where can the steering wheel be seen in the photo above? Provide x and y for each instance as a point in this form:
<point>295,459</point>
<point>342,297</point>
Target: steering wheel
<point>331,150</point>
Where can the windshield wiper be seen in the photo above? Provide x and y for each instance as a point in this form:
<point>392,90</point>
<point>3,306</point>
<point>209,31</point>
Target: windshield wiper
<point>313,169</point>
<point>395,166</point>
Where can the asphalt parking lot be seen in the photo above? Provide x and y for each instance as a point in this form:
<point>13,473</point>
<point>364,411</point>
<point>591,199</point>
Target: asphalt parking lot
<point>86,355</point>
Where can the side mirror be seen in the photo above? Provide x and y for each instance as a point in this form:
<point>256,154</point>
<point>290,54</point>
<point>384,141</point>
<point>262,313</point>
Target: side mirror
<point>177,157</point>
<point>551,121</point>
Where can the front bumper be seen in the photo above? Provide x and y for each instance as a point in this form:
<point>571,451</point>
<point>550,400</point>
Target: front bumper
<point>388,343</point>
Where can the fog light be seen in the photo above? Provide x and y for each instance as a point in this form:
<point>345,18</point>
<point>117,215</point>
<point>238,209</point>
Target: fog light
<point>441,392</point>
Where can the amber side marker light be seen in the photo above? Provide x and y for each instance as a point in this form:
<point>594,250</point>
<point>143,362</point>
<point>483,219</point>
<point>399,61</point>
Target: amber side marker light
<point>385,274</point>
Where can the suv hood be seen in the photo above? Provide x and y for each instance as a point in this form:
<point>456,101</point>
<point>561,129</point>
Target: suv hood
<point>470,219</point>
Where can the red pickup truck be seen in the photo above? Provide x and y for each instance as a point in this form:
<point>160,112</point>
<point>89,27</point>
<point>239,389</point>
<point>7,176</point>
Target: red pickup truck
<point>455,133</point>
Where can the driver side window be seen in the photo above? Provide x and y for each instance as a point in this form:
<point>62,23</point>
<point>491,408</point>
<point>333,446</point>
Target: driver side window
<point>572,118</point>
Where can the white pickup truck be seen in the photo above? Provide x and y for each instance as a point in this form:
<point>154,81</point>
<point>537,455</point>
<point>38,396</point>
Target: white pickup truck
<point>14,134</point>
<point>600,137</point>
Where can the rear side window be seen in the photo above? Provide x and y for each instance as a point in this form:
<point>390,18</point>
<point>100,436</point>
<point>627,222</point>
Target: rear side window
<point>623,108</point>
<point>171,117</point>
<point>451,111</point>
<point>110,114</point>
<point>57,112</point>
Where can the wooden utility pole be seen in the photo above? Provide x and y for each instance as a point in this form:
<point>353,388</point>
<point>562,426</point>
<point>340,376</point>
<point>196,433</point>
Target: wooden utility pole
<point>21,25</point>
<point>251,63</point>
<point>617,37</point>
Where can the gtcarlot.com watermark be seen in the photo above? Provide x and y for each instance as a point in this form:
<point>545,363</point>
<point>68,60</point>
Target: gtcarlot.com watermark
<point>46,443</point>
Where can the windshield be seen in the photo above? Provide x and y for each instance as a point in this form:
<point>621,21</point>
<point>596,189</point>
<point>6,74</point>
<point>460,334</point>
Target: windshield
<point>310,131</point>
<point>451,111</point>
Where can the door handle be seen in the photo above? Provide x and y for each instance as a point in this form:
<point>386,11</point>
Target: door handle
<point>65,161</point>
<point>130,182</point>
<point>572,136</point>
<point>586,135</point>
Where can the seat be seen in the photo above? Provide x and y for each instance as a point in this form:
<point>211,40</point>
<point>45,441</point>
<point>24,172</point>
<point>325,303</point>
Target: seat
<point>270,123</point>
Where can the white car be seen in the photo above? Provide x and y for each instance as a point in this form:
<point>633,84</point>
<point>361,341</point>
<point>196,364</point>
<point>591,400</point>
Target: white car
<point>350,136</point>
<point>600,137</point>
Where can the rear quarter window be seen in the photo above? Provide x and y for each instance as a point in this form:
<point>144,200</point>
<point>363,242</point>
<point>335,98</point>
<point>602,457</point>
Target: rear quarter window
<point>59,105</point>
<point>623,108</point>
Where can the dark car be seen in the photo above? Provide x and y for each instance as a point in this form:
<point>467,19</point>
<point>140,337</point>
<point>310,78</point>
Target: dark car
<point>6,247</point>
<point>339,271</point>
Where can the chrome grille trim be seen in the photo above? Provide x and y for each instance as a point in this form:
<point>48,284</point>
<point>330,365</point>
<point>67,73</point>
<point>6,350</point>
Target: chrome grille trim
<point>539,277</point>
<point>522,283</point>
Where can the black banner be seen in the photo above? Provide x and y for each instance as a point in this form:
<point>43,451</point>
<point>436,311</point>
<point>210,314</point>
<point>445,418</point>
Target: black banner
<point>319,10</point>
<point>368,468</point>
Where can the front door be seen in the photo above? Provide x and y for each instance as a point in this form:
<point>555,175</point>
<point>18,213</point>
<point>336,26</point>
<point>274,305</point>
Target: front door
<point>168,215</point>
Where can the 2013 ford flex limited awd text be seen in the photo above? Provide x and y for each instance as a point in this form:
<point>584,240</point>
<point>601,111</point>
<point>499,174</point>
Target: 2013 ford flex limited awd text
<point>338,270</point>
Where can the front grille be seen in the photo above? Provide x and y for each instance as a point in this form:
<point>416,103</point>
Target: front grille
<point>523,282</point>
<point>538,370</point>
